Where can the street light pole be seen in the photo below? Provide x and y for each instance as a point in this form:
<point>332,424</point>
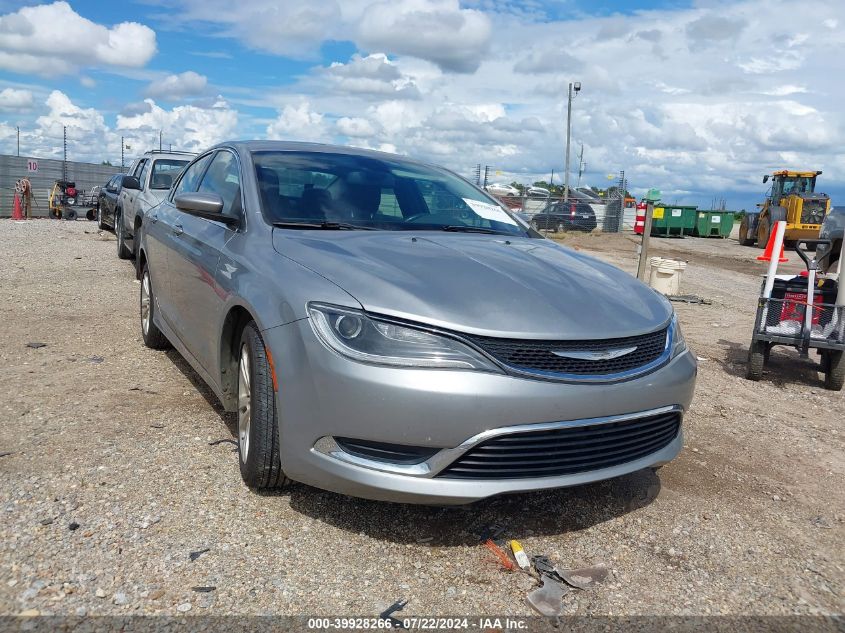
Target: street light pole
<point>574,89</point>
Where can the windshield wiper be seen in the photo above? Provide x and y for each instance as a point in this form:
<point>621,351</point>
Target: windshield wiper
<point>461,228</point>
<point>325,225</point>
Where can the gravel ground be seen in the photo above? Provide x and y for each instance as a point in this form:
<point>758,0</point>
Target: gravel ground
<point>112,477</point>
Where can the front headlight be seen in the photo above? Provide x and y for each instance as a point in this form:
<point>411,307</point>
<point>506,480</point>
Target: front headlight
<point>357,336</point>
<point>679,344</point>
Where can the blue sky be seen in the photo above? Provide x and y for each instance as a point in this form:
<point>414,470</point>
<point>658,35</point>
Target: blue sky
<point>697,98</point>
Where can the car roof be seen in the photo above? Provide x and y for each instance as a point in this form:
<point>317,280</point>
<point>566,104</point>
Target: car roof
<point>297,146</point>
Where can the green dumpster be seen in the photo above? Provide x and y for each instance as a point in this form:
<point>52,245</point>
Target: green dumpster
<point>675,220</point>
<point>714,224</point>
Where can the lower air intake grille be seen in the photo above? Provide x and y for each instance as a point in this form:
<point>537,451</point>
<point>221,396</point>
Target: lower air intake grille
<point>565,451</point>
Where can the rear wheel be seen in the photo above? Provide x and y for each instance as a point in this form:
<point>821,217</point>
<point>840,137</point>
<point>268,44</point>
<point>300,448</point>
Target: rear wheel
<point>122,251</point>
<point>746,238</point>
<point>258,428</point>
<point>834,365</point>
<point>757,355</point>
<point>100,224</point>
<point>153,338</point>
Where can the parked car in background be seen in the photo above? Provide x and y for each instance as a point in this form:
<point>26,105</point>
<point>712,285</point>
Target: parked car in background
<point>151,177</point>
<point>833,229</point>
<point>384,329</point>
<point>538,192</point>
<point>574,215</point>
<point>501,189</point>
<point>107,202</point>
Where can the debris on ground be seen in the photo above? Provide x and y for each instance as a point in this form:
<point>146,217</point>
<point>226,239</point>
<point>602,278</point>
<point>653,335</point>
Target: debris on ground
<point>36,345</point>
<point>548,599</point>
<point>224,441</point>
<point>73,526</point>
<point>156,426</point>
<point>584,577</point>
<point>195,555</point>
<point>689,299</point>
<point>520,556</point>
<point>204,589</point>
<point>96,359</point>
<point>500,554</point>
<point>387,614</point>
<point>6,453</point>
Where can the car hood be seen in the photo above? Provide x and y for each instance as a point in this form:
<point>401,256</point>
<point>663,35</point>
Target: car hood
<point>480,284</point>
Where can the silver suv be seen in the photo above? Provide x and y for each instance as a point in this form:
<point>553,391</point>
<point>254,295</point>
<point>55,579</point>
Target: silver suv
<point>150,178</point>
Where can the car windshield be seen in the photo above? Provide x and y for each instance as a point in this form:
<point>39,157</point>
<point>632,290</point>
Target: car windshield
<point>327,190</point>
<point>165,171</point>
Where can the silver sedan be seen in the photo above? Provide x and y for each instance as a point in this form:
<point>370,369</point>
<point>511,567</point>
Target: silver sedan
<point>386,329</point>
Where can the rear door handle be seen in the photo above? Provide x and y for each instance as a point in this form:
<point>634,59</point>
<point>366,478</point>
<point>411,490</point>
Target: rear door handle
<point>177,229</point>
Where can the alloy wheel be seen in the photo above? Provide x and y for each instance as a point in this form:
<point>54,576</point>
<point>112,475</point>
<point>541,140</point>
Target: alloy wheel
<point>146,301</point>
<point>244,403</point>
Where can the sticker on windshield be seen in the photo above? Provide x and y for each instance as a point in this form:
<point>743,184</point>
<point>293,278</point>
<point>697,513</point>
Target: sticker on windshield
<point>489,211</point>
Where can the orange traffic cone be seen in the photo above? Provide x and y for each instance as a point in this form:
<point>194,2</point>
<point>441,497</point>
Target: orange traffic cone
<point>767,254</point>
<point>17,214</point>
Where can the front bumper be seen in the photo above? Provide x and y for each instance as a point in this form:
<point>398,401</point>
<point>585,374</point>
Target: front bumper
<point>323,395</point>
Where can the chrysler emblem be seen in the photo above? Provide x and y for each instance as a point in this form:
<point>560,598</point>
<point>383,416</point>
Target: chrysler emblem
<point>604,354</point>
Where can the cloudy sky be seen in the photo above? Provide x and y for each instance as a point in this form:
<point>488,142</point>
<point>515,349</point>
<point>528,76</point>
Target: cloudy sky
<point>696,98</point>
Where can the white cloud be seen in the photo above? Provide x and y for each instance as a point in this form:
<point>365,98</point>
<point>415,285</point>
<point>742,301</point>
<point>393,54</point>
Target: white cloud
<point>372,76</point>
<point>173,87</point>
<point>12,100</point>
<point>439,31</point>
<point>186,127</point>
<point>52,40</point>
<point>355,127</point>
<point>298,123</point>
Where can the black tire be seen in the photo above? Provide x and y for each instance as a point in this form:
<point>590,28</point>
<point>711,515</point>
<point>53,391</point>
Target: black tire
<point>122,251</point>
<point>744,240</point>
<point>258,446</point>
<point>764,231</point>
<point>100,224</point>
<point>834,377</point>
<point>757,354</point>
<point>153,337</point>
<point>70,214</point>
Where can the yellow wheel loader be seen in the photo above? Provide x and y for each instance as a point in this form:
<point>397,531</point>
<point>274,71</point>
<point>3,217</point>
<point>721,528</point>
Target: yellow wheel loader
<point>793,198</point>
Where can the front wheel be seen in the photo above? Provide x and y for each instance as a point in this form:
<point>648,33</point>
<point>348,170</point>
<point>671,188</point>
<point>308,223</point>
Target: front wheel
<point>122,251</point>
<point>763,232</point>
<point>100,224</point>
<point>757,356</point>
<point>834,366</point>
<point>258,428</point>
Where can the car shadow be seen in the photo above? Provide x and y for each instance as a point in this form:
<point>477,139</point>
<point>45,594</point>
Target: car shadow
<point>230,420</point>
<point>784,367</point>
<point>543,513</point>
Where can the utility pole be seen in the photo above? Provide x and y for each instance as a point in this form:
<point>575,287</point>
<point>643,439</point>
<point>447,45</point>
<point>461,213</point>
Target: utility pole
<point>478,174</point>
<point>122,166</point>
<point>19,139</point>
<point>64,155</point>
<point>486,175</point>
<point>580,164</point>
<point>552,178</point>
<point>159,140</point>
<point>576,87</point>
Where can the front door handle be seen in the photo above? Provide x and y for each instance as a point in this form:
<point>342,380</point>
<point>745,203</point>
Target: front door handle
<point>177,229</point>
<point>154,218</point>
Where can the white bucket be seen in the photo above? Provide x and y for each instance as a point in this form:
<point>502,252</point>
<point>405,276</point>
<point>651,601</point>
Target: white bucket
<point>665,275</point>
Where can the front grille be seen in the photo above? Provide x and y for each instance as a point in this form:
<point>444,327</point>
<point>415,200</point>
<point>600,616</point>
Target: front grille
<point>812,211</point>
<point>566,451</point>
<point>538,356</point>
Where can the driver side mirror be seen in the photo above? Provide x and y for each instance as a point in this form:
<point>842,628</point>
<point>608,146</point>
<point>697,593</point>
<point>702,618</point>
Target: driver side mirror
<point>204,205</point>
<point>130,182</point>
